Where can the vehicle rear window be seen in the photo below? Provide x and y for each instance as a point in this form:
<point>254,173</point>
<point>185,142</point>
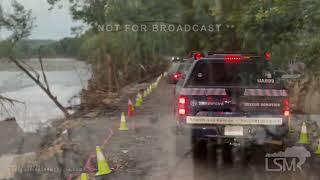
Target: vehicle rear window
<point>217,73</point>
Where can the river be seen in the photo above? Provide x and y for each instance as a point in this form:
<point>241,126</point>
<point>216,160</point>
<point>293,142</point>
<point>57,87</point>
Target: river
<point>66,77</point>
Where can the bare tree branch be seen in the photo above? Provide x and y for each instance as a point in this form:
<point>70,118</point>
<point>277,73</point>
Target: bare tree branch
<point>42,70</point>
<point>11,101</point>
<point>31,69</point>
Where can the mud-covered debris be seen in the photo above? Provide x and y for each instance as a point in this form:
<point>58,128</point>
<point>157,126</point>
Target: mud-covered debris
<point>133,88</point>
<point>107,101</point>
<point>91,114</point>
<point>65,132</point>
<point>140,139</point>
<point>69,124</point>
<point>57,147</point>
<point>125,151</point>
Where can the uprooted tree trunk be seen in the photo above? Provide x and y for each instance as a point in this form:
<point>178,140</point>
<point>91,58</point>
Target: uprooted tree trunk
<point>44,87</point>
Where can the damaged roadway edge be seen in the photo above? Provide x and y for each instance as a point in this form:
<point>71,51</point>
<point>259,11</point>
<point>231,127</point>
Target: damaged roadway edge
<point>66,146</point>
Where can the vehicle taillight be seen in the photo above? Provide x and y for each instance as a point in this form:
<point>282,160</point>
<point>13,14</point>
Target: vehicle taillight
<point>267,55</point>
<point>197,55</point>
<point>232,59</point>
<point>183,102</point>
<point>286,107</point>
<point>176,76</point>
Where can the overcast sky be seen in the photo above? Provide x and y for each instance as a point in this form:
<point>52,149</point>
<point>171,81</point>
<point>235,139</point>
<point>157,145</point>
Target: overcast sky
<point>54,24</point>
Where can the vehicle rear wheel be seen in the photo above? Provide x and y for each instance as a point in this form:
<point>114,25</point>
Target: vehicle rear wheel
<point>199,148</point>
<point>227,153</point>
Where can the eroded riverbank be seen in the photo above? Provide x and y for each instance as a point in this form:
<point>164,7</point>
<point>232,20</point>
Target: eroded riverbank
<point>66,77</point>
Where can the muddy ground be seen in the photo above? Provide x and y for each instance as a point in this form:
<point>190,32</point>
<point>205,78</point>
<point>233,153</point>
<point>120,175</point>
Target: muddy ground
<point>149,150</point>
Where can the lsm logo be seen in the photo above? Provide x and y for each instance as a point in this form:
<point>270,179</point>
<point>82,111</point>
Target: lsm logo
<point>289,160</point>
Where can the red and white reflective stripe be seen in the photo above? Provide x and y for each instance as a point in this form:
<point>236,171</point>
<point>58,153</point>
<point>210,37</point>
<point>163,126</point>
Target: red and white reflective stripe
<point>265,92</point>
<point>203,91</point>
<point>222,92</point>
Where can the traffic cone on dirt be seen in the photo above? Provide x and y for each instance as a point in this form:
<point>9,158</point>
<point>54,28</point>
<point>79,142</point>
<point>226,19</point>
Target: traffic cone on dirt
<point>84,176</point>
<point>139,100</point>
<point>123,123</point>
<point>317,152</point>
<point>130,108</point>
<point>103,167</point>
<point>303,135</point>
<point>145,93</point>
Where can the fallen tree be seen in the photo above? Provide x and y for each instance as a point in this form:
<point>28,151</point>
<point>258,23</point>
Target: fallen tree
<point>20,24</point>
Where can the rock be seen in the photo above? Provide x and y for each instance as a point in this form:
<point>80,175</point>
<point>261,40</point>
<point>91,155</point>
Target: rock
<point>107,101</point>
<point>91,114</point>
<point>125,151</point>
<point>113,95</point>
<point>65,133</point>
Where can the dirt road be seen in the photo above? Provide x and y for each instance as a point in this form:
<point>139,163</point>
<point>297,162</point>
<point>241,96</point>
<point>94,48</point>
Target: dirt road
<point>148,150</point>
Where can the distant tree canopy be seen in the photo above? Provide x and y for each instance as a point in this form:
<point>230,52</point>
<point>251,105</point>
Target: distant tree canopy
<point>289,28</point>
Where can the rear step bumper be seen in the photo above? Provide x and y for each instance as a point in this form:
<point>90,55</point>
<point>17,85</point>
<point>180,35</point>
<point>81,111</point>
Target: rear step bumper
<point>234,120</point>
<point>258,128</point>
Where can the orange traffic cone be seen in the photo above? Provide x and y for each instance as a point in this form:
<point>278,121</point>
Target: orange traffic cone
<point>103,167</point>
<point>130,108</point>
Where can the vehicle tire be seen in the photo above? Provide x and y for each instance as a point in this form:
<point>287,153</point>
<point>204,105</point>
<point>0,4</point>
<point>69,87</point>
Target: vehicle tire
<point>227,153</point>
<point>199,146</point>
<point>199,149</point>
